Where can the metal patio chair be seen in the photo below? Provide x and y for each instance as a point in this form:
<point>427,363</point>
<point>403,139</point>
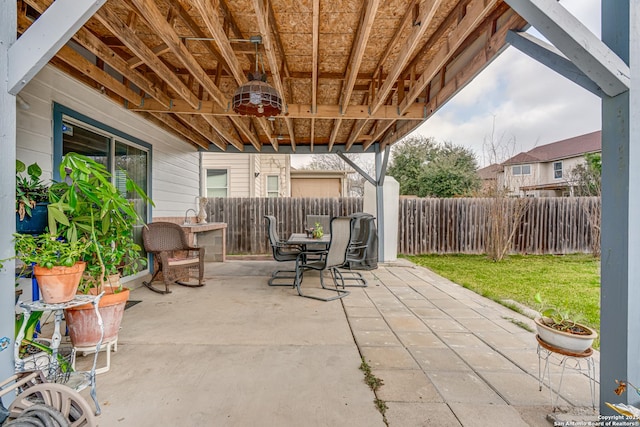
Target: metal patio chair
<point>331,259</point>
<point>170,247</point>
<point>282,252</point>
<point>357,252</point>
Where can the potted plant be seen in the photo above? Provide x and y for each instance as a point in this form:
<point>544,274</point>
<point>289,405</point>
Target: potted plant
<point>57,264</point>
<point>32,197</point>
<point>557,328</point>
<point>86,205</point>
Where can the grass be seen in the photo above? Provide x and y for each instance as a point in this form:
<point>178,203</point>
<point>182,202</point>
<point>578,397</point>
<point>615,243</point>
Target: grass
<point>568,282</point>
<point>374,384</point>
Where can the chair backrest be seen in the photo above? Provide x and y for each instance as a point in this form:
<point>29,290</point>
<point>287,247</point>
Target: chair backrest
<point>360,239</point>
<point>339,244</point>
<point>272,233</point>
<point>164,236</point>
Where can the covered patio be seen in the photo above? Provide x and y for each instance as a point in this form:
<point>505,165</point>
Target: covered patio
<point>351,76</point>
<point>446,355</point>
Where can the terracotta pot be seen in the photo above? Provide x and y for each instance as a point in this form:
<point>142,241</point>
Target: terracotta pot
<point>83,324</point>
<point>566,340</point>
<point>59,284</point>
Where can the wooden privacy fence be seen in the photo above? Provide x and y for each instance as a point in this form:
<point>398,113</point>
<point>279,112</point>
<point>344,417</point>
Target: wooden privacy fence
<point>246,227</point>
<point>543,225</point>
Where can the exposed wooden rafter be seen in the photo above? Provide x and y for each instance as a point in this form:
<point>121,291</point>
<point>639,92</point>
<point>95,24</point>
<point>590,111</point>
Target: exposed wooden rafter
<point>211,19</point>
<point>368,15</point>
<point>381,70</point>
<point>262,16</point>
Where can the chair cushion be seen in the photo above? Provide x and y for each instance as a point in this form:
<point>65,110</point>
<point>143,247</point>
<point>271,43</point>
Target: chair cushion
<point>183,261</point>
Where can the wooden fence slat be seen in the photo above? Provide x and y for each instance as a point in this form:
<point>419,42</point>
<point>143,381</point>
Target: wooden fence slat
<point>425,225</point>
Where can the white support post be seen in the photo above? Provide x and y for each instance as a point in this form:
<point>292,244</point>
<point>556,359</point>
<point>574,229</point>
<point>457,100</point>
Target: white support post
<point>620,284</point>
<point>8,20</point>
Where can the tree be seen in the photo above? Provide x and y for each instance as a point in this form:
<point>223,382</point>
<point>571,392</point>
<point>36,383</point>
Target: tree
<point>408,158</point>
<point>586,177</point>
<point>425,168</point>
<point>451,172</point>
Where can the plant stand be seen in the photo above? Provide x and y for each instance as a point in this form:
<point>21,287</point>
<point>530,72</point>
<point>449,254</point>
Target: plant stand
<point>560,357</point>
<point>107,346</point>
<point>76,380</point>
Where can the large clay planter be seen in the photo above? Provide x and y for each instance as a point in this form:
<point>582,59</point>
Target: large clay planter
<point>59,284</point>
<point>83,324</point>
<point>566,340</point>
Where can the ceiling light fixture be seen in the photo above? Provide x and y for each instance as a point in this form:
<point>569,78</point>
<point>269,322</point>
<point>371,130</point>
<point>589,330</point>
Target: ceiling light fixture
<point>257,97</point>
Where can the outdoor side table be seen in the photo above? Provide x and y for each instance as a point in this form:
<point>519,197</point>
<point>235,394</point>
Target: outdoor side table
<point>560,357</point>
<point>76,380</point>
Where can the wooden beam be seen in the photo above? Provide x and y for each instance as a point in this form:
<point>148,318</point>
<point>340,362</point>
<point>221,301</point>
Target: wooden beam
<point>495,44</point>
<point>409,46</point>
<point>315,40</point>
<point>150,12</point>
<point>367,16</point>
<point>159,50</point>
<point>233,139</point>
<point>548,55</point>
<point>110,19</point>
<point>476,11</point>
<point>198,124</point>
<point>590,54</point>
<point>94,45</point>
<point>295,111</point>
<point>188,133</point>
<point>262,16</point>
<point>54,28</point>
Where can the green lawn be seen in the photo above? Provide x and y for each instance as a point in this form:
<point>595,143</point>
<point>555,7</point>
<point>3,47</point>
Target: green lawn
<point>569,282</point>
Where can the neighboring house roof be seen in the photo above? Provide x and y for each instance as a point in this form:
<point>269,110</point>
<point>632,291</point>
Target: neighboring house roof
<point>572,147</point>
<point>489,172</point>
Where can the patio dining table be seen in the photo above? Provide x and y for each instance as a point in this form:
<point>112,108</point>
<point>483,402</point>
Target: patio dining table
<point>303,240</point>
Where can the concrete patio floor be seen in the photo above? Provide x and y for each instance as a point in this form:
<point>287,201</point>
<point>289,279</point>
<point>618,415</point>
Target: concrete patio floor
<point>240,353</point>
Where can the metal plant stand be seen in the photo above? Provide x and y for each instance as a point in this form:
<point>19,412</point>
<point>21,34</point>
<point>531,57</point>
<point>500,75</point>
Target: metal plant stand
<point>75,380</point>
<point>550,354</point>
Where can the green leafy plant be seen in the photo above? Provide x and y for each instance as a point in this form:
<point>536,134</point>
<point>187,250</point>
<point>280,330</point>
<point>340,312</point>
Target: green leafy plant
<point>48,251</point>
<point>86,205</point>
<point>554,317</point>
<point>29,188</point>
<point>318,232</point>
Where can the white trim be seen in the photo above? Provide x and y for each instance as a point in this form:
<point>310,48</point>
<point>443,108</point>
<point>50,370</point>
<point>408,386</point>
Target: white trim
<point>44,38</point>
<point>576,42</point>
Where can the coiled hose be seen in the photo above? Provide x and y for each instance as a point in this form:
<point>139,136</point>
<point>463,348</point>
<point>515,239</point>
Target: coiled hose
<point>39,415</point>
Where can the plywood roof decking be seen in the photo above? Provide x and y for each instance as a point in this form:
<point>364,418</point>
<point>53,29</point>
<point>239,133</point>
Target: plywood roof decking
<point>381,67</point>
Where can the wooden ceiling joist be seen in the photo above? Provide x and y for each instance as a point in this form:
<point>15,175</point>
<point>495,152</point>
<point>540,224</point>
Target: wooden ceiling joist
<point>346,78</point>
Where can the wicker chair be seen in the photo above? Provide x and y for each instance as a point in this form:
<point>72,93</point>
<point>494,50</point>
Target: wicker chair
<point>169,245</point>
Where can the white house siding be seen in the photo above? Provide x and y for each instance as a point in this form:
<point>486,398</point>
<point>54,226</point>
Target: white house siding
<point>242,170</point>
<point>238,168</point>
<point>174,167</point>
<point>275,164</point>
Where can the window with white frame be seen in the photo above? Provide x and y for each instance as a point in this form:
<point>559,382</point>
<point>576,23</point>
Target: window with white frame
<point>557,170</point>
<point>521,170</point>
<point>273,186</point>
<point>217,183</point>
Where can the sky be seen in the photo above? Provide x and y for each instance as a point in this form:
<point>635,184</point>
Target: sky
<point>521,102</point>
